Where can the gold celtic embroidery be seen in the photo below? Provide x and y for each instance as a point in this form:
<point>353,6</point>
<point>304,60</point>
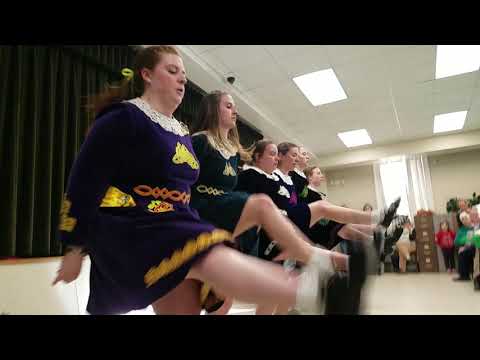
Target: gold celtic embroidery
<point>67,223</point>
<point>116,198</point>
<point>164,193</point>
<point>157,206</point>
<point>229,171</point>
<point>182,155</point>
<point>181,256</point>
<point>202,189</point>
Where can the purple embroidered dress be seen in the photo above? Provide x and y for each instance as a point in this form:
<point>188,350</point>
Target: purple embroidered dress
<point>127,203</point>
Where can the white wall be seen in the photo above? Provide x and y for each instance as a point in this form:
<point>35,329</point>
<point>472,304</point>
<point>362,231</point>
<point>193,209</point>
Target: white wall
<point>25,289</point>
<point>434,144</point>
<point>454,175</point>
<point>353,186</point>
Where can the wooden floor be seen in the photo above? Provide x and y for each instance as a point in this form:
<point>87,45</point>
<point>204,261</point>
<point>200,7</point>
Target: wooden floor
<point>406,294</point>
<point>421,294</point>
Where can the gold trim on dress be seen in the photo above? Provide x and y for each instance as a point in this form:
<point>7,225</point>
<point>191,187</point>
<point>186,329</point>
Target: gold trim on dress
<point>229,170</point>
<point>183,155</point>
<point>157,206</point>
<point>181,256</point>
<point>67,223</point>
<point>203,189</point>
<point>164,193</point>
<point>114,197</point>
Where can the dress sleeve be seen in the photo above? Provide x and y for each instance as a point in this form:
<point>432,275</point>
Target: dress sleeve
<point>97,163</point>
<point>200,146</point>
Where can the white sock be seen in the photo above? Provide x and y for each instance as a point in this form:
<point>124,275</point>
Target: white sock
<point>320,265</point>
<point>323,260</point>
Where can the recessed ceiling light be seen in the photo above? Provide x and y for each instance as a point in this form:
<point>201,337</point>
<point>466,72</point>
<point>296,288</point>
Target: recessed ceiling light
<point>355,138</point>
<point>320,87</point>
<point>449,122</point>
<point>456,59</point>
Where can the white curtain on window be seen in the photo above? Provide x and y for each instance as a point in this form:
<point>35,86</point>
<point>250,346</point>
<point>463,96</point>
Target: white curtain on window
<point>378,185</point>
<point>405,176</point>
<point>420,183</point>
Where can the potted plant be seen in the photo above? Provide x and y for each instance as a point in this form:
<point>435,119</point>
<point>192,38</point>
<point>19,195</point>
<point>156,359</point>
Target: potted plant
<point>452,205</point>
<point>475,200</point>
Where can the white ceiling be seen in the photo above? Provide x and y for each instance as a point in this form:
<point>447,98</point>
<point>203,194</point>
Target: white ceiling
<point>391,90</point>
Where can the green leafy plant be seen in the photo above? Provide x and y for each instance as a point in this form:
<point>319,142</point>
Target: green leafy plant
<point>452,205</point>
<point>475,200</point>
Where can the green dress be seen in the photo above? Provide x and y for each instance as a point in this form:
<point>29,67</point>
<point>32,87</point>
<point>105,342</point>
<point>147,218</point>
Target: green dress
<point>212,195</point>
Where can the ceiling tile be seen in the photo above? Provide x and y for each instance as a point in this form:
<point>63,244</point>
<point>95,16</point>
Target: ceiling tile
<point>266,75</point>
<point>350,54</point>
<point>300,63</point>
<point>282,51</point>
<point>199,49</point>
<point>239,56</point>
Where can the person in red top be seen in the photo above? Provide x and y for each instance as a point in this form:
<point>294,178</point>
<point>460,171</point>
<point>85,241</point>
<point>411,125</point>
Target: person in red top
<point>445,239</point>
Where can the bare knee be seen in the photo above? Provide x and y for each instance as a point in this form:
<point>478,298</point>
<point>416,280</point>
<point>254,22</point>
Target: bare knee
<point>319,207</point>
<point>259,205</point>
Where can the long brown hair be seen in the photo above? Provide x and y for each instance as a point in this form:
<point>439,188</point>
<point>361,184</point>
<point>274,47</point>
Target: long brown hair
<point>257,150</point>
<point>208,119</point>
<point>148,58</point>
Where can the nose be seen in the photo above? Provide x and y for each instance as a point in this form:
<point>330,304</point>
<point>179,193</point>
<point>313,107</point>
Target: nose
<point>183,79</point>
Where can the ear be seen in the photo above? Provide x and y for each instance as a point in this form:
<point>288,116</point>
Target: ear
<point>146,75</point>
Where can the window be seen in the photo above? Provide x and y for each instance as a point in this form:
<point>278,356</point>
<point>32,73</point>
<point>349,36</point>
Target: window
<point>394,177</point>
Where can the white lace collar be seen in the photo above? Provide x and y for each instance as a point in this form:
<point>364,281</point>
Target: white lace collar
<point>300,173</point>
<point>286,178</point>
<point>226,153</point>
<point>169,124</point>
<point>260,171</point>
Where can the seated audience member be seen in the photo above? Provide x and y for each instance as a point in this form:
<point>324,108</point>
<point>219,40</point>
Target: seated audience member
<point>466,249</point>
<point>463,206</point>
<point>476,241</point>
<point>392,235</point>
<point>405,245</point>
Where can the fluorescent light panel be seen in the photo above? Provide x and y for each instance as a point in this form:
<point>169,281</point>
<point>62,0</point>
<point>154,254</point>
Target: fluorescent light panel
<point>320,87</point>
<point>449,122</point>
<point>456,59</point>
<point>355,138</point>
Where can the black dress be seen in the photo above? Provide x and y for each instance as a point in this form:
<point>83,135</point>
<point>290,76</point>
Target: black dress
<point>213,195</point>
<point>301,184</point>
<point>282,192</point>
<point>325,231</point>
